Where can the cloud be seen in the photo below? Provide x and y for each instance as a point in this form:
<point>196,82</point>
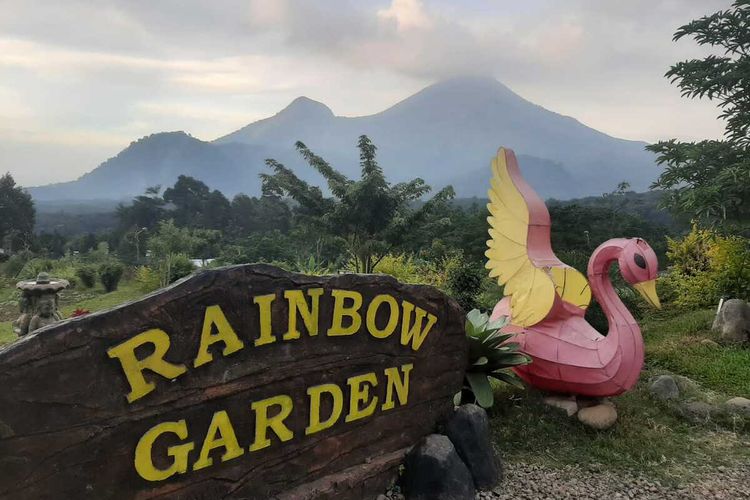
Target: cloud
<point>78,73</point>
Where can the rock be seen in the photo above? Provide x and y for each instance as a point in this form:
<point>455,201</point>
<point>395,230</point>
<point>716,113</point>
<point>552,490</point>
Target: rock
<point>710,343</point>
<point>469,431</point>
<point>602,416</point>
<point>567,404</point>
<point>664,387</point>
<point>733,321</point>
<point>739,405</point>
<point>434,471</point>
<point>697,410</point>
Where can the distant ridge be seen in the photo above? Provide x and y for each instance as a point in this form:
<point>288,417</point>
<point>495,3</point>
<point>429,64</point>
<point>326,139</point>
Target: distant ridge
<point>446,134</point>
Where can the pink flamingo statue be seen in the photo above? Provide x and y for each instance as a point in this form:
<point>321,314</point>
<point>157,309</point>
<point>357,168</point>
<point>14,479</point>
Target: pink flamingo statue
<point>546,299</point>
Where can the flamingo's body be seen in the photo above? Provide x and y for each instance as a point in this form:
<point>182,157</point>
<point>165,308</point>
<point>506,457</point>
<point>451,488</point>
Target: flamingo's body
<point>548,299</point>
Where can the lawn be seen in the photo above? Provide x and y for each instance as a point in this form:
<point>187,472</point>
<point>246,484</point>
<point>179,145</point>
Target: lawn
<point>650,436</point>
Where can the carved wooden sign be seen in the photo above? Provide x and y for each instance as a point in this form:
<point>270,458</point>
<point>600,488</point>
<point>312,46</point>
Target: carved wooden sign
<point>242,382</point>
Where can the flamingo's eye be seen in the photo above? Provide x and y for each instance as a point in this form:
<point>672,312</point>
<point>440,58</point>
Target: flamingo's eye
<point>639,261</point>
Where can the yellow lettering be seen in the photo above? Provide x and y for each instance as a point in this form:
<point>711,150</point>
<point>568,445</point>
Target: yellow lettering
<point>415,333</point>
<point>144,463</point>
<point>276,423</point>
<point>297,302</point>
<point>264,306</point>
<point>337,405</point>
<point>340,311</point>
<point>360,394</point>
<point>401,385</point>
<point>134,367</point>
<point>372,312</point>
<point>214,316</point>
<point>220,434</point>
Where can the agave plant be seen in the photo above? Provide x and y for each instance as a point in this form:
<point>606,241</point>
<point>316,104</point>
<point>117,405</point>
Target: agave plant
<point>491,355</point>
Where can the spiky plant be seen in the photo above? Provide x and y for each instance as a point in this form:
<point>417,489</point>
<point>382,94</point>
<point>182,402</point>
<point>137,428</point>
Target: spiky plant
<point>491,355</point>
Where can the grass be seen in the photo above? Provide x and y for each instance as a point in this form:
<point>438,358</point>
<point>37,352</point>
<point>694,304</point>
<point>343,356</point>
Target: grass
<point>650,436</point>
<point>673,343</point>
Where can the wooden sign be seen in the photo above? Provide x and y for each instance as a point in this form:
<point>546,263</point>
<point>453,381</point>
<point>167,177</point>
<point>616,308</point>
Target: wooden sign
<point>242,382</point>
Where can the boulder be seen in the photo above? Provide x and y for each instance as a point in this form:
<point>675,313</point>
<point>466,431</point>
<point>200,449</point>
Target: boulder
<point>739,405</point>
<point>434,471</point>
<point>698,411</point>
<point>469,431</point>
<point>566,404</point>
<point>733,321</point>
<point>664,387</point>
<point>601,416</point>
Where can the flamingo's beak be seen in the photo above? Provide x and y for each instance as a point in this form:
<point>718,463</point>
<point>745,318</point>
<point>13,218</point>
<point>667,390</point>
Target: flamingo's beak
<point>648,290</point>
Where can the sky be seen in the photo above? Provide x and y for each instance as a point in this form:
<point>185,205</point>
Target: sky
<point>81,79</point>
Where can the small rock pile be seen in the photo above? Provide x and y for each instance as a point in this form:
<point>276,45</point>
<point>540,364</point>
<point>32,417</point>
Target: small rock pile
<point>595,413</point>
<point>691,403</point>
<point>454,465</point>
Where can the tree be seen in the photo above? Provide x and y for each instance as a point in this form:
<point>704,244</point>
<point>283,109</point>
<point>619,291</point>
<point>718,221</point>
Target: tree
<point>710,179</point>
<point>17,214</point>
<point>370,214</point>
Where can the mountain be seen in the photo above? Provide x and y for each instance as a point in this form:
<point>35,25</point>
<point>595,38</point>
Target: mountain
<point>446,134</point>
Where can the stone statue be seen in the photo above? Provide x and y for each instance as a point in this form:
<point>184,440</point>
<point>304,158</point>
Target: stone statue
<point>21,325</point>
<point>38,303</point>
<point>45,313</point>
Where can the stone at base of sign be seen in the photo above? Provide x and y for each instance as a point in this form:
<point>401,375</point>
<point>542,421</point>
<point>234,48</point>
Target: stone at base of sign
<point>434,471</point>
<point>469,431</point>
<point>438,466</point>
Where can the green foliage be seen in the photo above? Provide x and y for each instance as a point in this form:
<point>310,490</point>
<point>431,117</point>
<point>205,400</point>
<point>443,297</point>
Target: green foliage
<point>370,215</point>
<point>15,264</point>
<point>490,356</point>
<point>110,274</point>
<point>147,278</point>
<point>17,215</point>
<point>170,247</point>
<point>87,275</point>
<point>464,283</point>
<point>180,266</point>
<point>709,179</point>
<point>312,266</point>
<point>705,267</point>
<point>402,267</point>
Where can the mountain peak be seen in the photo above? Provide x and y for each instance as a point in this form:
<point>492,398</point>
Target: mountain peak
<point>304,107</point>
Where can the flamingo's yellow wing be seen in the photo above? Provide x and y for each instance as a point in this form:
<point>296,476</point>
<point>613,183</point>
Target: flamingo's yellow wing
<point>520,253</point>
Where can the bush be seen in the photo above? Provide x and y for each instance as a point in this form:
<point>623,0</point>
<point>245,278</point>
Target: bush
<point>13,267</point>
<point>401,267</point>
<point>87,276</point>
<point>706,266</point>
<point>147,278</point>
<point>110,274</point>
<point>464,283</point>
<point>180,266</point>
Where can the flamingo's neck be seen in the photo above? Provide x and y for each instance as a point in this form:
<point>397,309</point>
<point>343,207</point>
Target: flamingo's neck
<point>602,289</point>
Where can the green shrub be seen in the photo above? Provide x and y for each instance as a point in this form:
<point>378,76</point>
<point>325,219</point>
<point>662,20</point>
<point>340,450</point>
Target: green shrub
<point>180,266</point>
<point>402,267</point>
<point>706,266</point>
<point>110,274</point>
<point>464,283</point>
<point>87,275</point>
<point>147,278</point>
<point>13,267</point>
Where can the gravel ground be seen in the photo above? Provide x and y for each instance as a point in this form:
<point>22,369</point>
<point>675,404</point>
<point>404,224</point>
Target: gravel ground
<point>524,481</point>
